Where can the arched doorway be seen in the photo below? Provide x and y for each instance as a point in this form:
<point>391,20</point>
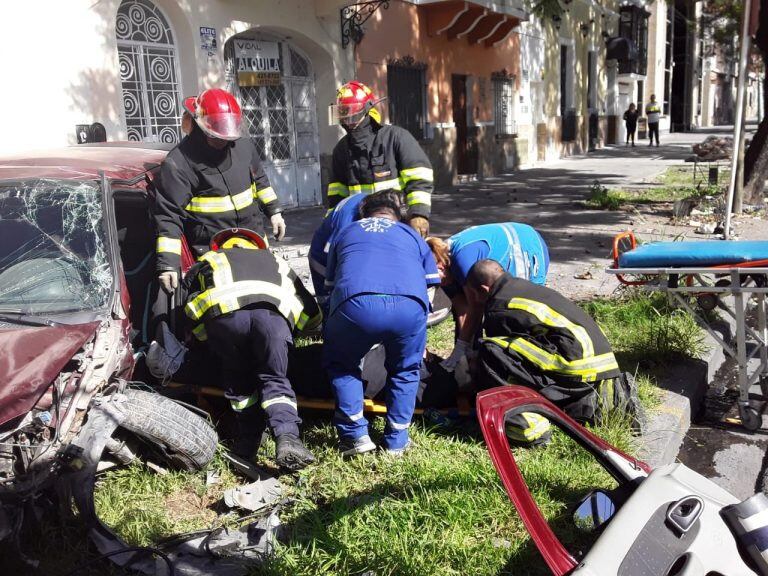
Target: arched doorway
<point>149,72</point>
<point>282,121</point>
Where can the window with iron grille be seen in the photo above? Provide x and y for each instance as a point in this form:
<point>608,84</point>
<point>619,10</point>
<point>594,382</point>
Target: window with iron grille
<point>633,25</point>
<point>407,95</point>
<point>504,104</point>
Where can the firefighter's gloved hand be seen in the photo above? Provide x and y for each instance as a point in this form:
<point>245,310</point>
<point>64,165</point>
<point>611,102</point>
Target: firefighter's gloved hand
<point>420,224</point>
<point>169,280</point>
<point>278,226</point>
<point>460,350</point>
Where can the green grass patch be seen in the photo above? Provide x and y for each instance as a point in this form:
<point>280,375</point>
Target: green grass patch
<point>675,183</point>
<point>646,329</point>
<point>601,198</point>
<point>684,176</point>
<point>144,506</point>
<point>440,338</point>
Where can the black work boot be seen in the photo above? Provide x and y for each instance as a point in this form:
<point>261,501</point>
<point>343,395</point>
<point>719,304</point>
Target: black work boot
<point>291,453</point>
<point>251,429</point>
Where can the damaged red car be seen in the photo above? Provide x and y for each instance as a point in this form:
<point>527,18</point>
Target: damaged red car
<point>76,261</point>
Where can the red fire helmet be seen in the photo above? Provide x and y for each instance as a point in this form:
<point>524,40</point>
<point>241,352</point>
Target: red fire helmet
<point>217,113</point>
<point>232,237</point>
<point>353,100</point>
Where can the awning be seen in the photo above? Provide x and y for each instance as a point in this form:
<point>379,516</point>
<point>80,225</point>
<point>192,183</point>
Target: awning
<point>478,22</point>
<point>620,48</point>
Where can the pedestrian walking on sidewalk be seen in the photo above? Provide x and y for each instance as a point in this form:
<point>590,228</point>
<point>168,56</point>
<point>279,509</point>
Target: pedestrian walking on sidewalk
<point>653,112</point>
<point>380,270</point>
<point>630,120</point>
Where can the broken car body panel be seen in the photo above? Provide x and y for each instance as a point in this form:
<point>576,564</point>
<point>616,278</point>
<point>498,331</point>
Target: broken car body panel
<point>32,358</point>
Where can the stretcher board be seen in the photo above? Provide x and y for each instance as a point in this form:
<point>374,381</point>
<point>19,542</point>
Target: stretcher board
<point>743,282</point>
<point>370,406</point>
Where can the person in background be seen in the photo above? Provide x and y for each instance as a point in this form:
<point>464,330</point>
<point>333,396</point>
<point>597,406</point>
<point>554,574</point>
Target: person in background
<point>373,156</point>
<point>213,180</point>
<point>379,270</point>
<point>653,112</point>
<point>630,121</point>
<point>245,302</point>
<point>518,248</point>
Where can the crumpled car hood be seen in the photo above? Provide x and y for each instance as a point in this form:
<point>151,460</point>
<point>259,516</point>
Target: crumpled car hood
<point>30,360</point>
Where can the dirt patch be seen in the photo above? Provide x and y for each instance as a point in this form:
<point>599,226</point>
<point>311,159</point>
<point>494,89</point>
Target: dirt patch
<point>188,506</point>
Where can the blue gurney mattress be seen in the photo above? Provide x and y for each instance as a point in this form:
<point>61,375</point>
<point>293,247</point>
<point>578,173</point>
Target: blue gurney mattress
<point>695,254</point>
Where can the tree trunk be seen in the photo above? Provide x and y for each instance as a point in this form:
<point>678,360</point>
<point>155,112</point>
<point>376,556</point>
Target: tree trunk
<point>756,156</point>
<point>756,164</point>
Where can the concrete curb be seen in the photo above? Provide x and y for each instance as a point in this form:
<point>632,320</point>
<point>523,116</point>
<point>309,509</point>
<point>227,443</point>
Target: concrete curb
<point>685,387</point>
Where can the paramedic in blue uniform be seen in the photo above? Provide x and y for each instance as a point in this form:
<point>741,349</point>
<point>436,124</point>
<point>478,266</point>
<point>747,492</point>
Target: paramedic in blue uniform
<point>379,270</point>
<point>519,249</point>
<point>346,212</point>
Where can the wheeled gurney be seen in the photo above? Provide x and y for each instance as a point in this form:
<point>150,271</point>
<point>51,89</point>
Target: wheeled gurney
<point>709,272</point>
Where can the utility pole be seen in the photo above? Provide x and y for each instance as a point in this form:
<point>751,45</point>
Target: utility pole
<point>738,132</point>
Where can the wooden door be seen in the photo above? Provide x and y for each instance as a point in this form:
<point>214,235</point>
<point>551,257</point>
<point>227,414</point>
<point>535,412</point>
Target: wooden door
<point>466,161</point>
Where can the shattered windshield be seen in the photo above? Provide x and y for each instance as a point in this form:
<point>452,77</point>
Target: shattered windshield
<point>52,254</point>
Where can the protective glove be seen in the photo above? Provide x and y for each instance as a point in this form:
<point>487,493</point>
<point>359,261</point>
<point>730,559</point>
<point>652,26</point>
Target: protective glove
<point>169,280</point>
<point>420,224</point>
<point>459,351</point>
<point>278,226</point>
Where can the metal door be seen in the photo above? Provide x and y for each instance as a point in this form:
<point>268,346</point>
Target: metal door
<point>282,123</point>
<point>149,73</point>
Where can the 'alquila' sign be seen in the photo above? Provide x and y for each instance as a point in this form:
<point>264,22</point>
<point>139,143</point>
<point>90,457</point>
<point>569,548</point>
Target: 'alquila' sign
<point>257,63</point>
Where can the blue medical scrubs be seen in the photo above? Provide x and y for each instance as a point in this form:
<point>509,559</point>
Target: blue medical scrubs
<point>519,249</point>
<point>379,271</point>
<point>345,213</point>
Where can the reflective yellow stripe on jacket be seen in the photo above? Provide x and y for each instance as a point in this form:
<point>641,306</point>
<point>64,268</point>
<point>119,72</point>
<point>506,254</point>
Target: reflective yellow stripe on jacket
<point>418,173</point>
<point>265,195</point>
<point>337,189</point>
<point>225,292</point>
<point>214,204</point>
<point>586,369</point>
<point>551,317</point>
<point>166,244</point>
<point>393,184</point>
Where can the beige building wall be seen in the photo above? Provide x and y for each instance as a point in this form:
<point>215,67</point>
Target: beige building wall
<point>67,65</point>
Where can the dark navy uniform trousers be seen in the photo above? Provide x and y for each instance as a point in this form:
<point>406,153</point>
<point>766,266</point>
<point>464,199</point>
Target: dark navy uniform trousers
<point>253,344</point>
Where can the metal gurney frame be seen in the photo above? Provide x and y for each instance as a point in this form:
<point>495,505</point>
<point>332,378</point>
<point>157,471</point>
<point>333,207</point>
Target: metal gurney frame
<point>708,284</point>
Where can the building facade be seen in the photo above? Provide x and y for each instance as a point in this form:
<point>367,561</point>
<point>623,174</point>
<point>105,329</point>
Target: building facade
<point>128,64</point>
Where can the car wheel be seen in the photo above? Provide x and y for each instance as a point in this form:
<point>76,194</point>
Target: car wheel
<point>184,439</point>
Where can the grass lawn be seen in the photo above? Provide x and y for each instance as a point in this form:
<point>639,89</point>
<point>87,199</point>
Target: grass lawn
<point>441,509</point>
<point>675,183</point>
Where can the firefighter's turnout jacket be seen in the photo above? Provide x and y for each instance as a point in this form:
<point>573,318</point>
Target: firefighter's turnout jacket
<point>378,157</point>
<point>235,278</point>
<point>548,332</point>
<point>203,190</point>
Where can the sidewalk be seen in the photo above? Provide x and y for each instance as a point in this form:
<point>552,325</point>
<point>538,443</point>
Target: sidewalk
<point>545,197</point>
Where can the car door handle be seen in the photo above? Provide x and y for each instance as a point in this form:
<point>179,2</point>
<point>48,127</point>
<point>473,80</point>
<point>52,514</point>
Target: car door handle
<point>683,514</point>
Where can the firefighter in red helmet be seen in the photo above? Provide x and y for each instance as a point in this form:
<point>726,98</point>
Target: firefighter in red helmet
<point>375,156</point>
<point>247,303</point>
<point>211,181</point>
